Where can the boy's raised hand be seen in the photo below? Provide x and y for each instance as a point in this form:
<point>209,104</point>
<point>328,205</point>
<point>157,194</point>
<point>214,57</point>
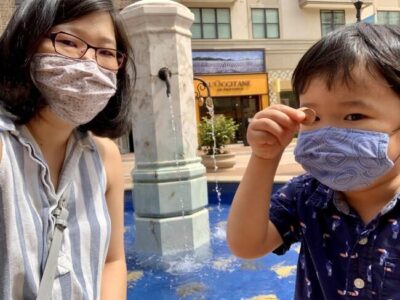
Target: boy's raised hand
<point>272,129</point>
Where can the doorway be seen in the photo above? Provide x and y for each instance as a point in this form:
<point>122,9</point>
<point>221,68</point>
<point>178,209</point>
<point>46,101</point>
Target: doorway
<point>241,109</point>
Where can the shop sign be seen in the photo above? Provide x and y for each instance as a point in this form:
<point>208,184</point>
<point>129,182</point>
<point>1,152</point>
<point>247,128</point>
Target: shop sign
<point>229,85</point>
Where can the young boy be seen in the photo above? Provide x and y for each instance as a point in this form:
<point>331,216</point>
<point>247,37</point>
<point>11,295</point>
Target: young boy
<point>345,209</point>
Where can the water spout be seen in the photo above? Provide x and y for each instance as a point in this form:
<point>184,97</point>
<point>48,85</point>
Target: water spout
<point>165,74</point>
<point>201,87</point>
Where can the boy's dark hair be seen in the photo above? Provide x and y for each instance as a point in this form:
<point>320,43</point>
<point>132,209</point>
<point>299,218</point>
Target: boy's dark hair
<point>333,58</point>
<point>30,22</point>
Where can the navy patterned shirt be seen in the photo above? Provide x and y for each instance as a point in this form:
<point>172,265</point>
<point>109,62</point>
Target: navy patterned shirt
<point>340,256</point>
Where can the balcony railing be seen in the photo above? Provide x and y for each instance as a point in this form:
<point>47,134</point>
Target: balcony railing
<point>330,4</point>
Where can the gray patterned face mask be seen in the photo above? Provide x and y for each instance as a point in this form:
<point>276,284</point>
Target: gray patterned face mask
<point>75,89</point>
<point>342,158</point>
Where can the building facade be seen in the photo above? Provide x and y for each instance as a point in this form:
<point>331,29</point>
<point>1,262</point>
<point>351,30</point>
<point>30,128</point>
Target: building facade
<point>6,9</point>
<point>246,50</point>
<point>282,29</point>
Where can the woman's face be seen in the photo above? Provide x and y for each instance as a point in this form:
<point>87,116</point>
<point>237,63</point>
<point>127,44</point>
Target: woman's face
<point>96,29</point>
<point>66,107</point>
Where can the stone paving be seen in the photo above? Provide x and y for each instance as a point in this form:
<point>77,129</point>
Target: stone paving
<point>286,170</point>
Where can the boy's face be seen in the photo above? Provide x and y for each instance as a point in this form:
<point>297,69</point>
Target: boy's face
<point>367,104</point>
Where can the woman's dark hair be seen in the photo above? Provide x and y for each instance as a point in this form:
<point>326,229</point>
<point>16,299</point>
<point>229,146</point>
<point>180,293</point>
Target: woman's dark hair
<point>30,22</point>
<point>375,48</point>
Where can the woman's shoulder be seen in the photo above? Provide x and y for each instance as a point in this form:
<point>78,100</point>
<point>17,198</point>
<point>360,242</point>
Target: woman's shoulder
<point>111,157</point>
<point>107,148</point>
<point>7,124</point>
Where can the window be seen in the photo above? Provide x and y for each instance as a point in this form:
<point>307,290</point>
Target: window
<point>331,20</point>
<point>211,23</point>
<point>289,98</point>
<point>265,23</point>
<point>389,17</point>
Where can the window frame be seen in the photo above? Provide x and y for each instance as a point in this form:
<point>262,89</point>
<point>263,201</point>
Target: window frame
<point>387,12</point>
<point>332,24</point>
<point>266,23</point>
<point>216,23</point>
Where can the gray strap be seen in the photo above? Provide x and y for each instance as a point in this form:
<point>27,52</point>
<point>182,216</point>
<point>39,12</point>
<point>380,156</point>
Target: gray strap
<point>46,283</point>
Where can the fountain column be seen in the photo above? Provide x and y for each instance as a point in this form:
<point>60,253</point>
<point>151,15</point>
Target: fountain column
<point>170,187</point>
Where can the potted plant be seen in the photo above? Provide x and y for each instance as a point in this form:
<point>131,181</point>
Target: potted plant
<point>215,152</point>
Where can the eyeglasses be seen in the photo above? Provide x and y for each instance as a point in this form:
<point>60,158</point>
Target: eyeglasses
<point>72,46</point>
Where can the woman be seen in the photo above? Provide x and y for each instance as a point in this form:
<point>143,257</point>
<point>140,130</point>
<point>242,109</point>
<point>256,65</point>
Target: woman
<point>64,91</point>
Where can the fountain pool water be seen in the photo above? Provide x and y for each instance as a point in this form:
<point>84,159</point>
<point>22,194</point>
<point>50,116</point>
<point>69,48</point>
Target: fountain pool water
<point>214,274</point>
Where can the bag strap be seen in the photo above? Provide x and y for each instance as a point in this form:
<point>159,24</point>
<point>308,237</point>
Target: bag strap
<point>46,283</point>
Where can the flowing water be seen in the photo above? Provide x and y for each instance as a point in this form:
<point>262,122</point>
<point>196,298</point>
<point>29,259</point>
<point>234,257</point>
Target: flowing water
<point>209,273</point>
<point>210,108</point>
<point>178,167</point>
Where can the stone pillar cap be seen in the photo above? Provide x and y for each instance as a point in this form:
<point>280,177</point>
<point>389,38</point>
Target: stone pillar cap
<point>157,7</point>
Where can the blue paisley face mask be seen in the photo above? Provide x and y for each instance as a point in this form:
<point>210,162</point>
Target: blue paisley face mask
<point>342,158</point>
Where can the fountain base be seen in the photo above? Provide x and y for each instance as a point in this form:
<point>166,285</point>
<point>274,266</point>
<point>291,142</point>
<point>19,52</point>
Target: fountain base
<point>168,236</point>
<point>222,161</point>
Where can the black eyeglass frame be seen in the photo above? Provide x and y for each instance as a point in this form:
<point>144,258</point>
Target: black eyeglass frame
<point>52,36</point>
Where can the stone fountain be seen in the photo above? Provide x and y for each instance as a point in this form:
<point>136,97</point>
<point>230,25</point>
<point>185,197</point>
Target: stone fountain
<point>170,187</point>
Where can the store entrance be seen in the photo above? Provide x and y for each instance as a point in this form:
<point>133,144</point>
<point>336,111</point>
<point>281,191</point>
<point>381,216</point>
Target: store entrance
<point>240,109</point>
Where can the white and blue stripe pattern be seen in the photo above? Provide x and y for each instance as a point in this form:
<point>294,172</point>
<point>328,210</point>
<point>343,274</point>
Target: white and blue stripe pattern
<point>27,198</point>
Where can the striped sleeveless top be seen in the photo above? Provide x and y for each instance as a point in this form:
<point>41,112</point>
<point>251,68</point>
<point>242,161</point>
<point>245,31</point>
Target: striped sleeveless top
<point>27,199</point>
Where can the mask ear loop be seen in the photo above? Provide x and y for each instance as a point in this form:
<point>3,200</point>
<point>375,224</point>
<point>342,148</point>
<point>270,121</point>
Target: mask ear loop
<point>31,68</point>
<point>394,132</point>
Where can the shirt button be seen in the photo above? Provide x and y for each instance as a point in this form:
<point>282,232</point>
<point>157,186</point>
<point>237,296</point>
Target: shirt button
<point>359,283</point>
<point>363,241</point>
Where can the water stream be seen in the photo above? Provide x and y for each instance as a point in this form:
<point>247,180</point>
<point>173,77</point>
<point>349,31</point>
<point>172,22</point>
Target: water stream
<point>177,159</point>
<point>210,108</point>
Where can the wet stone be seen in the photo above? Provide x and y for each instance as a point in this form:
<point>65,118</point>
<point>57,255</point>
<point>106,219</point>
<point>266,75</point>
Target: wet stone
<point>191,288</point>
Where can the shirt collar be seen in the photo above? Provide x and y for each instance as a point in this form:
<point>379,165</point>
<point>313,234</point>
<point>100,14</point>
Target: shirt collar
<point>341,204</point>
<point>390,205</point>
<point>320,195</point>
<point>85,139</point>
<point>7,121</point>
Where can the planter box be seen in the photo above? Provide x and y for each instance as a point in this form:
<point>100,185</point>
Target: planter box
<point>223,161</point>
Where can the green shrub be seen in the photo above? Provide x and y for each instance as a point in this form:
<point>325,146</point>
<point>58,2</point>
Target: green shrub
<point>224,129</point>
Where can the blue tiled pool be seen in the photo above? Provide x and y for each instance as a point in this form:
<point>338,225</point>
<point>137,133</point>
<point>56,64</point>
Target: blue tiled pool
<point>213,274</point>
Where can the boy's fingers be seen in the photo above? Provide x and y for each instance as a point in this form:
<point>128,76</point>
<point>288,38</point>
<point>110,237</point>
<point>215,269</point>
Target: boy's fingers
<point>294,114</point>
<point>280,118</point>
<point>310,115</point>
<point>263,138</point>
<point>266,129</point>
